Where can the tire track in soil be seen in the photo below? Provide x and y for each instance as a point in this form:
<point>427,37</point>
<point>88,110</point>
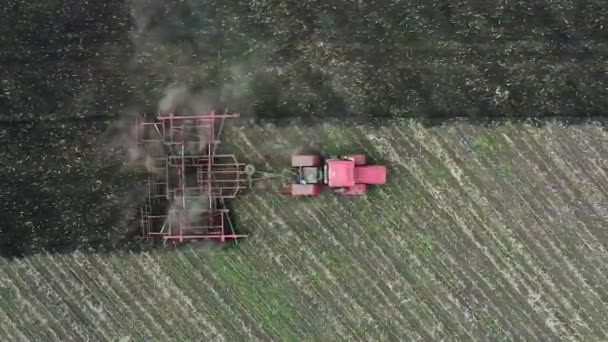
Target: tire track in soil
<point>586,187</point>
<point>462,152</point>
<point>222,271</point>
<point>591,143</point>
<point>309,299</point>
<point>586,144</point>
<point>293,319</point>
<point>365,269</point>
<point>534,209</point>
<point>566,199</point>
<point>233,315</point>
<point>142,320</point>
<point>438,309</point>
<point>388,266</point>
<point>554,206</point>
<point>126,291</point>
<point>512,291</point>
<point>548,211</point>
<point>8,331</point>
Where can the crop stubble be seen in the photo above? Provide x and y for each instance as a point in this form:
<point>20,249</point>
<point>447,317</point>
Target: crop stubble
<point>481,231</point>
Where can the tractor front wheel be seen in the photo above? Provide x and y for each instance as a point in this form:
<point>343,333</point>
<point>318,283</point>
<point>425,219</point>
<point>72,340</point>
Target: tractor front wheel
<point>359,159</point>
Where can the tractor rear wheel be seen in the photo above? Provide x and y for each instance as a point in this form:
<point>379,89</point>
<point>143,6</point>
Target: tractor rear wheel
<point>303,160</point>
<point>305,189</point>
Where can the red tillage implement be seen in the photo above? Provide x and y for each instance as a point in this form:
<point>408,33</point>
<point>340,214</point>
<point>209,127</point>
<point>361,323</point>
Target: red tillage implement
<point>190,182</point>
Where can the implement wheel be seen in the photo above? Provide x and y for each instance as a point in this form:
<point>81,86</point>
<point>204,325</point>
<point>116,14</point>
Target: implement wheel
<point>249,170</point>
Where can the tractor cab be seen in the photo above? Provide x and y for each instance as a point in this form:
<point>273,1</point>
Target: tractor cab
<point>311,175</point>
<point>335,173</point>
<point>340,173</point>
<point>348,175</point>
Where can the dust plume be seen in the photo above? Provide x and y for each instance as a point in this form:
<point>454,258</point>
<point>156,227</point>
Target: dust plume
<point>178,67</point>
<point>195,56</point>
<point>193,208</point>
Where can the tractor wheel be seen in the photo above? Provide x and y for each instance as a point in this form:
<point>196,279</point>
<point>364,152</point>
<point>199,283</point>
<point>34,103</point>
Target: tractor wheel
<point>303,160</point>
<point>357,190</point>
<point>305,189</point>
<point>359,159</point>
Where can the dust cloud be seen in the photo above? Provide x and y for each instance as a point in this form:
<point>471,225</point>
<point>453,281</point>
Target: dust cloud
<point>178,69</point>
<point>196,56</point>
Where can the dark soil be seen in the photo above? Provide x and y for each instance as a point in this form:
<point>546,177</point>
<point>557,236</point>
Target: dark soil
<point>308,58</point>
<point>63,188</point>
<point>68,67</point>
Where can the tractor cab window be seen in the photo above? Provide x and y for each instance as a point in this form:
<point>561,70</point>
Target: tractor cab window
<point>310,175</point>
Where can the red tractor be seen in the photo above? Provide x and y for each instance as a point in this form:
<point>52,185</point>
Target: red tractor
<point>348,175</point>
<point>191,182</point>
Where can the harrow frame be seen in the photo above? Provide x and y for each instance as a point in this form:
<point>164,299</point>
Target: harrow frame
<point>189,182</point>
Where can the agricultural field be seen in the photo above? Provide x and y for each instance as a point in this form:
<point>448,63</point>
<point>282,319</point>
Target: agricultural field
<point>483,233</point>
<point>313,58</point>
<point>493,231</point>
